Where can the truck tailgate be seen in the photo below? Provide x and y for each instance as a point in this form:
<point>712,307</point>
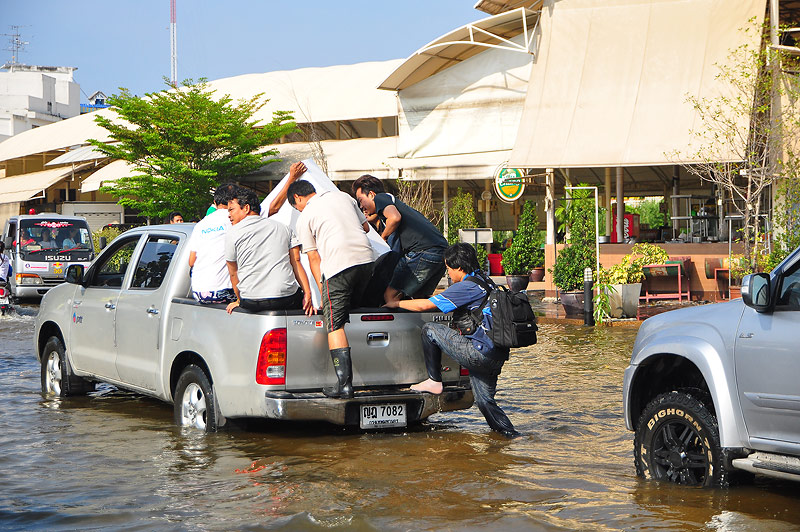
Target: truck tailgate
<point>386,350</point>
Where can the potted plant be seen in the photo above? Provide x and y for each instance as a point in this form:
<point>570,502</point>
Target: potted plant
<point>525,251</point>
<point>625,278</point>
<point>578,253</point>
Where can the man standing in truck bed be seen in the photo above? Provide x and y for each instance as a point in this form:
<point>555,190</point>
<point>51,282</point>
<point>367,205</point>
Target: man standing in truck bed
<point>333,233</point>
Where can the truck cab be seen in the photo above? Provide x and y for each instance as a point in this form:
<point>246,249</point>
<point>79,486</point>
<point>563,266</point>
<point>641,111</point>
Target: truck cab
<point>41,247</point>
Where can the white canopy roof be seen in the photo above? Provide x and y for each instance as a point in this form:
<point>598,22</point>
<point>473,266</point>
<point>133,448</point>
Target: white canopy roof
<point>346,159</point>
<point>462,43</point>
<point>611,78</point>
<point>110,172</point>
<point>24,187</point>
<point>56,136</point>
<point>478,165</point>
<point>342,92</point>
<point>79,155</point>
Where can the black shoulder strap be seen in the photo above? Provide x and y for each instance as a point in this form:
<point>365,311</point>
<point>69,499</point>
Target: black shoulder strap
<point>478,280</point>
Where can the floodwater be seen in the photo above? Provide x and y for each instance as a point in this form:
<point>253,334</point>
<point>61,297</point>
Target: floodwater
<point>114,461</point>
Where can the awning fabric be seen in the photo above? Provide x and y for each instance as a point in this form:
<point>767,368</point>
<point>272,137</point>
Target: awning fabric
<point>346,159</point>
<point>474,106</point>
<point>611,78</point>
<point>107,174</point>
<point>335,93</point>
<point>78,155</point>
<point>23,187</point>
<point>480,165</point>
<point>56,136</point>
<point>454,47</point>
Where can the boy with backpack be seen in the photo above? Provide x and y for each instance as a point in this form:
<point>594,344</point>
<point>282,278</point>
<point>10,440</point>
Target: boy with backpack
<point>468,340</point>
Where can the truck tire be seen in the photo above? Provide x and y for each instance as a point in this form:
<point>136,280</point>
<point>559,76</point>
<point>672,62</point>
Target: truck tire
<point>194,404</point>
<point>57,377</point>
<point>677,440</point>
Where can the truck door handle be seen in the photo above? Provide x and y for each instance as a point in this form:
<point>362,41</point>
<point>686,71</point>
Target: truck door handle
<point>152,310</point>
<point>110,306</point>
<point>745,335</point>
<point>380,338</point>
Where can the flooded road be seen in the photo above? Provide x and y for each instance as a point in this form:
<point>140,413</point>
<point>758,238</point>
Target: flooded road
<point>114,461</point>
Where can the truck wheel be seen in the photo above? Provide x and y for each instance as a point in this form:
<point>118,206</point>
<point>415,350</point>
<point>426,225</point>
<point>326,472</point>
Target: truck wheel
<point>194,400</point>
<point>677,440</point>
<point>57,377</point>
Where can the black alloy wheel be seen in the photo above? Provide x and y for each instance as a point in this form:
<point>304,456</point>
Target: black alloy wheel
<point>677,440</point>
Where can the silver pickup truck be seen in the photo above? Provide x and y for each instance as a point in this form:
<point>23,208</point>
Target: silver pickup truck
<point>713,392</point>
<point>128,320</point>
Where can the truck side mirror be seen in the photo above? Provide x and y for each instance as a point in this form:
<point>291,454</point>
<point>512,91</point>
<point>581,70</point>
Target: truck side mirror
<point>74,274</point>
<point>757,291</point>
<point>8,241</point>
<point>102,242</point>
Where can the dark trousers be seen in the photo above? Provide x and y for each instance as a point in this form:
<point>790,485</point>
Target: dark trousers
<point>292,302</point>
<point>483,370</point>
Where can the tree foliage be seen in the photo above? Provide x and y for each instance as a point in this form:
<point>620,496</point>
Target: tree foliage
<point>746,137</point>
<point>183,142</point>
<point>526,250</point>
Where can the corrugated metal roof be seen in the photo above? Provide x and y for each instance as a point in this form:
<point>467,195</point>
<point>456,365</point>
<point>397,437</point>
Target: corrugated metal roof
<point>24,187</point>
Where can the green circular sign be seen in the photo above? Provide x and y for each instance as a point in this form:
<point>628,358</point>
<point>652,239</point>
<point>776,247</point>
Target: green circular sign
<point>509,184</point>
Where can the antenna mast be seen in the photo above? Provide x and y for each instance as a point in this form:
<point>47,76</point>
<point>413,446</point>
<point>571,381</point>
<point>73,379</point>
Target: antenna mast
<point>173,41</point>
<point>16,44</point>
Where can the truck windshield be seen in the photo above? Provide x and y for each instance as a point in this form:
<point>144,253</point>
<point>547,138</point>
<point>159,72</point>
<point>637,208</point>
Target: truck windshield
<point>52,239</point>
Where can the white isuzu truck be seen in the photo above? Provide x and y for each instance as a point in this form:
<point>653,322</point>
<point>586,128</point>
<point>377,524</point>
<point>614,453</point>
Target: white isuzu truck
<point>41,247</point>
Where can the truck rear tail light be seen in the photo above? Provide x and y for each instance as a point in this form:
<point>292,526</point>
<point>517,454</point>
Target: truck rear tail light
<point>377,317</point>
<point>464,372</point>
<point>271,366</point>
<point>2,292</point>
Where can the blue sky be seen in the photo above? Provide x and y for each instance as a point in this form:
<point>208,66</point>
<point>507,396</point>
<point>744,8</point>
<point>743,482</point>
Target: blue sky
<point>125,43</point>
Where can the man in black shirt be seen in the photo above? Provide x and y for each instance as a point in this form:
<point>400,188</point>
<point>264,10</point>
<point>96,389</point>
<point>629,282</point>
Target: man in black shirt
<point>420,243</point>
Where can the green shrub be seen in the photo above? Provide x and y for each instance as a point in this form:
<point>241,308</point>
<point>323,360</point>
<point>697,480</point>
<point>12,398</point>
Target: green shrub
<point>461,216</point>
<point>526,250</point>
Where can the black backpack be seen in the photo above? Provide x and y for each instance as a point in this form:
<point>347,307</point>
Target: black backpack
<point>513,321</point>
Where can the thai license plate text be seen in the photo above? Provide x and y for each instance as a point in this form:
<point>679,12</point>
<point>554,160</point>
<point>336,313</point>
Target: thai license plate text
<point>379,416</point>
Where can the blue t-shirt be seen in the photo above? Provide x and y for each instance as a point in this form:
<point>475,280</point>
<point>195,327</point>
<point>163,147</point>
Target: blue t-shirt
<point>469,295</point>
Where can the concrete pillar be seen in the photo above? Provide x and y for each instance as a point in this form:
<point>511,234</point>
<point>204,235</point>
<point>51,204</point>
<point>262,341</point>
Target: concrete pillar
<point>445,207</point>
<point>620,207</point>
<point>676,189</point>
<point>608,201</point>
<point>550,206</point>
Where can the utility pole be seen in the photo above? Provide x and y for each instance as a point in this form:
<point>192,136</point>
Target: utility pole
<point>173,42</point>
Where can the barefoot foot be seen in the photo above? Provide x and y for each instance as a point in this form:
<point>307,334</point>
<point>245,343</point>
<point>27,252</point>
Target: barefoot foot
<point>429,386</point>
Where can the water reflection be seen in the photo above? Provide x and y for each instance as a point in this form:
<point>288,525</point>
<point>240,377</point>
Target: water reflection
<point>114,460</point>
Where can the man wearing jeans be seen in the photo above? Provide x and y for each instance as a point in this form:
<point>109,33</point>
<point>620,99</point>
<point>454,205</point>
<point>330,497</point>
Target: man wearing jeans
<point>406,230</point>
<point>471,347</point>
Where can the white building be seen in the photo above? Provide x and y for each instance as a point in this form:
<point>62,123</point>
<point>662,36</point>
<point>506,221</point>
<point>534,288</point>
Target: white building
<point>33,96</point>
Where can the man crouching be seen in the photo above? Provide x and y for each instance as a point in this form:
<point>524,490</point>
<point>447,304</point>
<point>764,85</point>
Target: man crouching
<point>469,345</point>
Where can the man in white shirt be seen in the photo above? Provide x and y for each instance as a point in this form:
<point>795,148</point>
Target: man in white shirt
<point>210,280</point>
<point>5,264</point>
<point>333,232</point>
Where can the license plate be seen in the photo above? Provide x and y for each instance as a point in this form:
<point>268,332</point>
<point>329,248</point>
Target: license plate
<point>379,416</point>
